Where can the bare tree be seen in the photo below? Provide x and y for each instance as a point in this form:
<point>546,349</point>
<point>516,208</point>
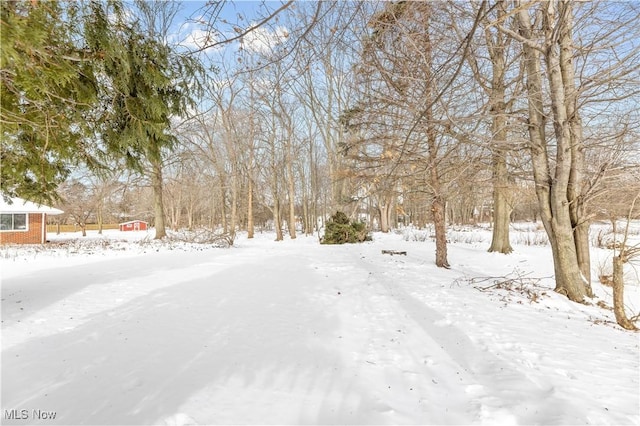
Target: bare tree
<point>79,203</point>
<point>497,45</point>
<point>553,175</point>
<point>103,184</point>
<point>624,253</point>
<point>404,110</point>
<point>559,158</point>
<point>324,88</point>
<point>618,200</point>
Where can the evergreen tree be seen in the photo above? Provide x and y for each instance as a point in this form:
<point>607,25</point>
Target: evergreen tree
<point>48,90</point>
<point>148,84</point>
<point>340,230</point>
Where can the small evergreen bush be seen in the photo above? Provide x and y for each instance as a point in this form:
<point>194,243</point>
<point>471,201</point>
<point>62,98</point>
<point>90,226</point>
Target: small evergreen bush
<point>340,230</point>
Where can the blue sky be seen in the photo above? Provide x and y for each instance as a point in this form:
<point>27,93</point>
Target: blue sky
<point>230,9</point>
<point>237,13</point>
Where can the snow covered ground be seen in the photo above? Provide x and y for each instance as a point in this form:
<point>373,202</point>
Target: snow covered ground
<point>109,331</point>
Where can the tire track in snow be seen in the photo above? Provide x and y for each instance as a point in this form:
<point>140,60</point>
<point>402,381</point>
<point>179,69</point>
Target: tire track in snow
<point>482,375</point>
<point>392,358</point>
<point>238,344</point>
<point>291,370</point>
<point>50,301</point>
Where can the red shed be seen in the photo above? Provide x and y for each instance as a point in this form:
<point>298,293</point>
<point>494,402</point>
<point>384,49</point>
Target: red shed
<point>134,225</point>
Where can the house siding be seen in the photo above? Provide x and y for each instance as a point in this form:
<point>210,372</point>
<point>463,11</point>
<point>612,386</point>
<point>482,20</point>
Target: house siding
<point>35,234</point>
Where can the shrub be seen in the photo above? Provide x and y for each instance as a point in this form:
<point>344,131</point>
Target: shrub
<point>340,230</point>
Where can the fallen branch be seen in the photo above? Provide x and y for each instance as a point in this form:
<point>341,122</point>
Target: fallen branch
<point>516,282</point>
<point>203,236</point>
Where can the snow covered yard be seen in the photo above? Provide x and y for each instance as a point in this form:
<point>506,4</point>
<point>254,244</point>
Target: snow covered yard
<point>124,332</point>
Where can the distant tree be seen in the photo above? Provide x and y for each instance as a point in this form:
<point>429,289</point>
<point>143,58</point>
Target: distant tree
<point>496,87</point>
<point>79,203</point>
<point>325,88</point>
<point>103,184</point>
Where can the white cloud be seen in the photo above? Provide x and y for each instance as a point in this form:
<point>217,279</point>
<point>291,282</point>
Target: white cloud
<point>199,39</point>
<point>263,40</point>
<point>194,37</point>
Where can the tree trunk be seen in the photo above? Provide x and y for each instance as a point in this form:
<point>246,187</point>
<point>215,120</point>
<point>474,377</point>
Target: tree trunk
<point>250,225</point>
<point>212,213</point>
<point>573,281</point>
<point>274,192</point>
<point>501,209</point>
<point>190,210</point>
<point>579,218</point>
<point>234,200</point>
<point>158,206</point>
<point>384,209</point>
<point>618,294</point>
<point>99,217</point>
<point>370,213</point>
<point>439,223</point>
<point>437,204</point>
<point>569,279</point>
<point>581,237</point>
<point>551,189</point>
<point>291,189</point>
<point>452,216</point>
<point>174,214</point>
<point>312,210</point>
<point>306,218</point>
<point>223,204</point>
<point>276,220</point>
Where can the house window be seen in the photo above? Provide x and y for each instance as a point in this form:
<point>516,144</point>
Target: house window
<point>13,222</point>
